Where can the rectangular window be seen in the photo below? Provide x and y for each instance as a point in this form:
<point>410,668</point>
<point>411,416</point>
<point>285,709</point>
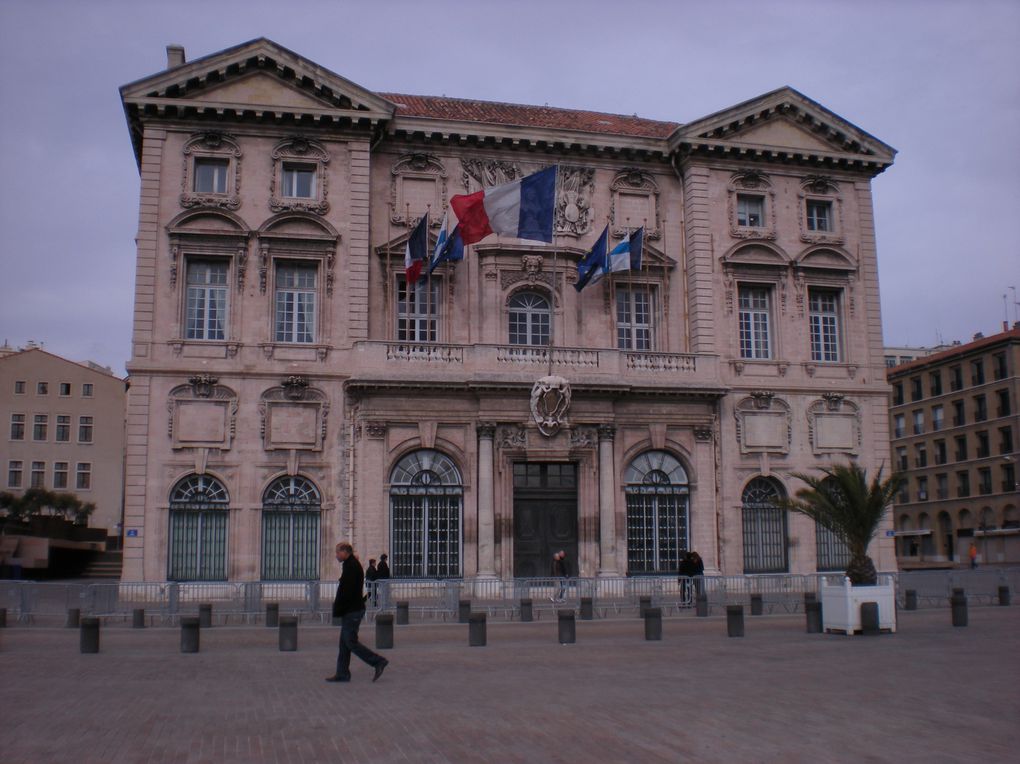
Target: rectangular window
<point>211,175</point>
<point>19,387</point>
<point>299,181</point>
<point>921,456</point>
<point>982,445</point>
<point>899,426</point>
<point>962,484</point>
<point>295,302</point>
<point>1005,440</point>
<point>65,389</point>
<point>634,322</point>
<point>942,486</point>
<point>84,429</point>
<point>42,388</point>
<point>898,394</point>
<point>961,448</point>
<point>37,478</point>
<point>901,458</point>
<point>941,455</point>
<point>959,418</point>
<point>206,300</point>
<point>83,480</point>
<point>59,475</point>
<point>1008,478</point>
<point>977,369</point>
<point>1004,408</point>
<point>14,474</point>
<point>750,210</point>
<point>417,311</point>
<point>40,425</point>
<point>918,422</point>
<point>937,417</point>
<point>915,389</point>
<point>824,320</point>
<point>980,408</point>
<point>955,378</point>
<point>63,428</point>
<point>17,426</point>
<point>999,361</point>
<point>985,481</point>
<point>755,322</point>
<point>922,489</point>
<point>86,390</point>
<point>935,383</point>
<point>819,215</point>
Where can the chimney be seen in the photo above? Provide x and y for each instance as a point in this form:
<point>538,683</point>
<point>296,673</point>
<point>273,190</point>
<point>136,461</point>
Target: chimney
<point>979,336</point>
<point>174,56</point>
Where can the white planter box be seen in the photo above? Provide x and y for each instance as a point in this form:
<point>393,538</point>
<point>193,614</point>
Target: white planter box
<point>841,604</point>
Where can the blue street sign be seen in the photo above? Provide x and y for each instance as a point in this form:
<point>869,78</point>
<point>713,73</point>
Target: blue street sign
<point>132,532</point>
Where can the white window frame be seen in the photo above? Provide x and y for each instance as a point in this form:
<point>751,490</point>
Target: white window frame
<point>197,323</point>
<point>15,473</point>
<point>60,475</point>
<point>67,431</point>
<point>86,427</point>
<point>290,331</point>
<point>743,215</point>
<point>220,176</point>
<point>812,219</point>
<point>37,475</point>
<point>17,421</point>
<point>64,386</point>
<point>529,312</point>
<point>825,325</point>
<point>86,390</point>
<point>83,476</point>
<point>749,320</point>
<point>40,421</point>
<point>290,174</point>
<point>628,325</point>
<point>417,319</point>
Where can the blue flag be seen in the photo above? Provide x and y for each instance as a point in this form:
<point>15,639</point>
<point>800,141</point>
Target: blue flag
<point>626,256</point>
<point>592,266</point>
<point>449,245</point>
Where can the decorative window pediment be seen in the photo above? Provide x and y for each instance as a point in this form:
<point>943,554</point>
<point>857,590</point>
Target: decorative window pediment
<point>635,203</point>
<point>764,424</point>
<point>821,211</point>
<point>293,416</point>
<point>751,205</point>
<point>834,425</point>
<point>208,233</point>
<point>212,172</point>
<point>299,182</point>
<point>417,184</point>
<point>202,414</point>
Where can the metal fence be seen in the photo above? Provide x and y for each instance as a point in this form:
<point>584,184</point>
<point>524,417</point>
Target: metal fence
<point>44,602</point>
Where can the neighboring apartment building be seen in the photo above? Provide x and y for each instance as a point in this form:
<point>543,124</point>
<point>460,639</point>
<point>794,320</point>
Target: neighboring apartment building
<point>63,431</point>
<point>290,389</point>
<point>955,426</point>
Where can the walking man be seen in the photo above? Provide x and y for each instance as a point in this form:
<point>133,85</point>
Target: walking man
<point>349,607</point>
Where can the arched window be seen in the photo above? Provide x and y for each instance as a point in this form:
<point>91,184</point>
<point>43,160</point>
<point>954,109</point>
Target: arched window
<point>765,541</point>
<point>831,552</point>
<point>529,319</point>
<point>198,530</point>
<point>290,530</point>
<point>657,512</point>
<point>426,493</point>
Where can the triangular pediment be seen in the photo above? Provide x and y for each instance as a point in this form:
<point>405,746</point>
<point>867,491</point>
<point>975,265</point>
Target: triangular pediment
<point>263,89</point>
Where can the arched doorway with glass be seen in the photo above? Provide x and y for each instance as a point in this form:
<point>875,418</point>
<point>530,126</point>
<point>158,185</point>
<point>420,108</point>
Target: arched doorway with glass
<point>426,502</point>
<point>291,513</point>
<point>199,515</point>
<point>658,502</point>
<point>766,546</point>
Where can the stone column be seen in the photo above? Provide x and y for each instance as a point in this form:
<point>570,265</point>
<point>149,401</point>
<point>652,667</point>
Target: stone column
<point>607,502</point>
<point>486,510</point>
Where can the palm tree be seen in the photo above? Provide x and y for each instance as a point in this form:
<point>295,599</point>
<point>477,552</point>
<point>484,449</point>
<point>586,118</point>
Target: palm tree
<point>842,500</point>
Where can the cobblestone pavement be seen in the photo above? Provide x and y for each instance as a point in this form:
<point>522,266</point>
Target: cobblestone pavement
<point>930,693</point>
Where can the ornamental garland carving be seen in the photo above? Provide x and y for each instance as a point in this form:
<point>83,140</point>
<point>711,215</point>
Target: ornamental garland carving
<point>293,416</point>
<point>634,182</point>
<point>512,436</point>
<point>764,424</point>
<point>574,213</point>
<point>583,437</point>
<point>307,152</point>
<point>488,172</point>
<point>212,145</point>
<point>416,167</point>
<point>201,413</point>
<point>752,181</point>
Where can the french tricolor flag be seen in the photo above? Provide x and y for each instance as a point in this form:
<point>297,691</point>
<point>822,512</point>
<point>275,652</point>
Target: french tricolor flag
<point>522,208</point>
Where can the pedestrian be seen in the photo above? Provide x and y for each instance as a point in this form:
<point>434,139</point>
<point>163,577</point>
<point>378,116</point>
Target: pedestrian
<point>371,574</point>
<point>560,570</point>
<point>349,607</point>
<point>686,571</point>
<point>383,570</point>
<point>698,573</point>
<point>972,554</point>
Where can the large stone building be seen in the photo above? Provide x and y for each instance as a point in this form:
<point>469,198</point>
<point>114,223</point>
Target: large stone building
<point>289,390</point>
<point>65,430</point>
<point>955,426</point>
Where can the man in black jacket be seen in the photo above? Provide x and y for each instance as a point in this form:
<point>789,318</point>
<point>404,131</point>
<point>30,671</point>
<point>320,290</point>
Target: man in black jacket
<point>349,607</point>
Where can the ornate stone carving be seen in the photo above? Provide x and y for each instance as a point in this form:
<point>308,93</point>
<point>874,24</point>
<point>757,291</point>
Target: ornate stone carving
<point>294,387</point>
<point>202,385</point>
<point>212,145</point>
<point>821,188</point>
<point>833,401</point>
<point>834,425</point>
<point>763,428</point>
<point>202,414</point>
<point>634,183</point>
<point>550,400</point>
<point>263,268</point>
<point>488,172</point>
<point>486,430</point>
<point>175,251</point>
<point>375,429</point>
<point>307,152</point>
<point>529,272</point>
<point>512,436</point>
<point>752,181</point>
<point>703,432</point>
<point>607,431</point>
<point>573,201</point>
<point>287,423</point>
<point>417,167</point>
<point>583,437</point>
<point>762,399</point>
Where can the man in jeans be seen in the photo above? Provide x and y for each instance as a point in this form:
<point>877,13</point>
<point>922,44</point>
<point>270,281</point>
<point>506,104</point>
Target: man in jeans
<point>349,607</point>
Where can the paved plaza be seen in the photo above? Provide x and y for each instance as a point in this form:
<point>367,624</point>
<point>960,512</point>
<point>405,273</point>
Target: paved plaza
<point>930,693</point>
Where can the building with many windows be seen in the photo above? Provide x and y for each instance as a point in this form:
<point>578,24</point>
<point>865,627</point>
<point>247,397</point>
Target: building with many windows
<point>955,426</point>
<point>64,431</point>
<point>290,388</point>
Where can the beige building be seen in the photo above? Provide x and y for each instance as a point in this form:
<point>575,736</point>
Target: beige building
<point>64,425</point>
<point>955,425</point>
<point>289,389</point>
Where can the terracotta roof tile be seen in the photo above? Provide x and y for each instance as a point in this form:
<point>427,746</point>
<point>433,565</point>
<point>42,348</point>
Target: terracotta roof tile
<point>491,112</point>
<point>956,350</point>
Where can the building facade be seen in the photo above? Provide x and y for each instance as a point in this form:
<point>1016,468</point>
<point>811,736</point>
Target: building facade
<point>955,424</point>
<point>289,389</point>
<point>64,431</point>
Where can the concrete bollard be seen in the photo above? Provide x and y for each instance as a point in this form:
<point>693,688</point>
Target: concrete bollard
<point>756,604</point>
<point>463,611</point>
<point>3,618</point>
<point>403,614</point>
<point>272,614</point>
<point>701,606</point>
<point>587,609</point>
<point>735,620</point>
<point>910,600</point>
<point>870,625</point>
<point>384,631</point>
<point>958,604</point>
<point>205,615</point>
<point>88,640</point>
<point>189,634</point>
<point>567,629</point>
<point>527,615</point>
<point>813,617</point>
<point>1003,597</point>
<point>138,618</point>
<point>643,604</point>
<point>73,617</point>
<point>653,624</point>
<point>476,629</point>
<point>288,634</point>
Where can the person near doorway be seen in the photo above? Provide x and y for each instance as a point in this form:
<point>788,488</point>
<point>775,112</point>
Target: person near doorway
<point>560,570</point>
<point>371,574</point>
<point>698,573</point>
<point>686,572</point>
<point>972,554</point>
<point>349,607</point>
<point>383,571</point>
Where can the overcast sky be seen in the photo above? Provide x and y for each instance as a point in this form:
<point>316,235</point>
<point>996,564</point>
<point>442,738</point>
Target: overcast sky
<point>937,80</point>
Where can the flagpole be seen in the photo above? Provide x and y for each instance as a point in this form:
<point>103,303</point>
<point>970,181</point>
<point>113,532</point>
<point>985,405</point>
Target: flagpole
<point>552,314</point>
<point>428,281</point>
<point>647,285</point>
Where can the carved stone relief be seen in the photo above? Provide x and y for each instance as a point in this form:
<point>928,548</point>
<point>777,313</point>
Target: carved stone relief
<point>764,424</point>
<point>550,401</point>
<point>574,200</point>
<point>212,145</point>
<point>747,181</point>
<point>821,188</point>
<point>583,437</point>
<point>834,425</point>
<point>416,179</point>
<point>488,172</point>
<point>306,152</point>
<point>531,271</point>
<point>635,194</point>
<point>512,436</point>
<point>202,414</point>
<point>293,416</point>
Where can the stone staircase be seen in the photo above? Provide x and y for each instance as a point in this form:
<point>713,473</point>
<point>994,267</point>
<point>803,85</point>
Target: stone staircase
<point>105,565</point>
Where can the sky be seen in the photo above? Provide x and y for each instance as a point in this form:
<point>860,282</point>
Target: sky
<point>938,80</point>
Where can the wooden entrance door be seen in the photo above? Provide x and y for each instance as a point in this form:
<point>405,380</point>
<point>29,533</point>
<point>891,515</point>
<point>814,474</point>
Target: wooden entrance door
<point>545,517</point>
